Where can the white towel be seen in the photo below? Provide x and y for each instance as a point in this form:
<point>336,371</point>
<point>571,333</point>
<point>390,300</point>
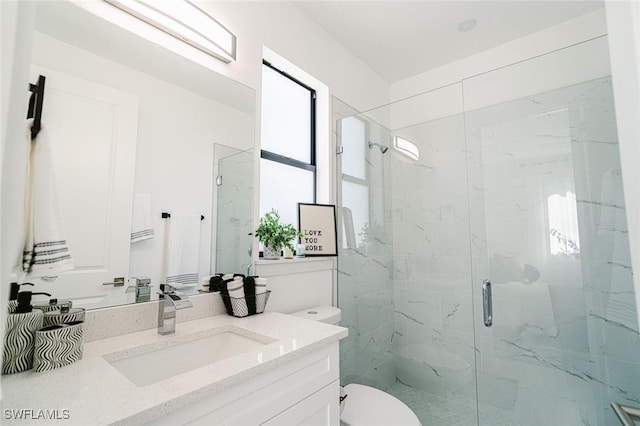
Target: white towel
<point>141,221</point>
<point>261,285</point>
<point>183,251</point>
<point>45,249</point>
<point>261,294</point>
<point>206,280</point>
<point>236,288</point>
<point>239,302</point>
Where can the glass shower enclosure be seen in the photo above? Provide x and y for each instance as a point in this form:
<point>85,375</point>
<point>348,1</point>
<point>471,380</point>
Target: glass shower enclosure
<point>232,207</point>
<point>506,183</point>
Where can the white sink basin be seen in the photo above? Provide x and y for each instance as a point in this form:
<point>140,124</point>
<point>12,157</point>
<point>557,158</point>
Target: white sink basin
<point>148,364</point>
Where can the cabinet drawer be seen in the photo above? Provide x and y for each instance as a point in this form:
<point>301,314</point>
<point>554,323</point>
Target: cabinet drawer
<point>320,409</point>
<point>263,397</point>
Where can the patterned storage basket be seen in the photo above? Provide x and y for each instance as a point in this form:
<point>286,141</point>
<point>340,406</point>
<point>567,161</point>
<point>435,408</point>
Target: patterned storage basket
<point>57,346</point>
<point>240,306</point>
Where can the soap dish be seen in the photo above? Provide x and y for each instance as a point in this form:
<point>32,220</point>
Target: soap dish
<point>240,306</point>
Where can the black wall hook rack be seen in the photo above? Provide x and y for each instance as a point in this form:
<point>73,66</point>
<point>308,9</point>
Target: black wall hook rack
<point>166,215</point>
<point>35,105</point>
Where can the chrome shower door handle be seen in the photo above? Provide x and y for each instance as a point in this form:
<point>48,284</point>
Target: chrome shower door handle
<point>487,303</point>
<point>626,415</point>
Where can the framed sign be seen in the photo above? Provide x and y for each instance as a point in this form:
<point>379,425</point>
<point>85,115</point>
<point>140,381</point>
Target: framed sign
<point>317,222</point>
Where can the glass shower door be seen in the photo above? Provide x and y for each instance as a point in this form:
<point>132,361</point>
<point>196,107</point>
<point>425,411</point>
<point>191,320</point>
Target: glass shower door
<point>549,237</point>
<point>404,268</point>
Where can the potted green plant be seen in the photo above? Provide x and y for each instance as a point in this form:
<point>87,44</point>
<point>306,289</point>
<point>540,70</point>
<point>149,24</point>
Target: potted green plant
<point>274,235</point>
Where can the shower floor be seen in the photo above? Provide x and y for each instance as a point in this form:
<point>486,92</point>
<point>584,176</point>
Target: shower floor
<point>441,411</point>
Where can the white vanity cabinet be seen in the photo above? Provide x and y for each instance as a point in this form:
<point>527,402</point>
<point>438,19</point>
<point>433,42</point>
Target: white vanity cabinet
<point>292,379</point>
<point>305,391</point>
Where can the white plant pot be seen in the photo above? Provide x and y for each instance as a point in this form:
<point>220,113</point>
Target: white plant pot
<point>288,253</point>
<point>271,253</point>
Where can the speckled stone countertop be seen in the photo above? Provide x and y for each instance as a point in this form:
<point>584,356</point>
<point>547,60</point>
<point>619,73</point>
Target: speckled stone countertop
<point>92,392</point>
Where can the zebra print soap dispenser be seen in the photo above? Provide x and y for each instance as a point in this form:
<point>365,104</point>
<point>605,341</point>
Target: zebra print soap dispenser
<point>13,296</point>
<point>17,353</point>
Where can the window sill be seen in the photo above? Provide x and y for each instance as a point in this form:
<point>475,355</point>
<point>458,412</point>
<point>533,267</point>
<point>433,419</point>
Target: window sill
<point>294,266</point>
<point>296,260</point>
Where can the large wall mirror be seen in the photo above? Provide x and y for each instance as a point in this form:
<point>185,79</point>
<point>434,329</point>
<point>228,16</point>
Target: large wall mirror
<point>129,120</point>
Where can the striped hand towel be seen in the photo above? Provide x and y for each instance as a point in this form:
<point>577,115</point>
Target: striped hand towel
<point>45,249</point>
<point>141,221</point>
<point>183,254</point>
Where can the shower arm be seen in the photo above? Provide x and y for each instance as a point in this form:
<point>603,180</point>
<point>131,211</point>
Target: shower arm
<point>381,147</point>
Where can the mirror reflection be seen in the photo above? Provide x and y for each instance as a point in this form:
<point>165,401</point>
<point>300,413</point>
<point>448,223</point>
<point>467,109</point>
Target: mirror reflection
<point>233,206</point>
<point>128,120</point>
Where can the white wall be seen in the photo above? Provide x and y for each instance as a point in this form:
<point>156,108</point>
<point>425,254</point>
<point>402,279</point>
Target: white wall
<point>297,284</point>
<point>285,29</point>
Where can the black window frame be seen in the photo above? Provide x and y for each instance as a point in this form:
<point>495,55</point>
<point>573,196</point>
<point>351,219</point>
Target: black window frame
<point>311,165</point>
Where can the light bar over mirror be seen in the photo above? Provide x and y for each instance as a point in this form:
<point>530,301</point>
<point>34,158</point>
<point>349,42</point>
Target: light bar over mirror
<point>185,21</point>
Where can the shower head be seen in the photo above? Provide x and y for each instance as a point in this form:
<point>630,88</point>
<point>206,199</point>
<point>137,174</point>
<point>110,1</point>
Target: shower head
<point>382,148</point>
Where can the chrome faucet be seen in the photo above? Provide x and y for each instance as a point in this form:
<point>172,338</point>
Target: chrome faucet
<point>142,289</point>
<point>168,307</point>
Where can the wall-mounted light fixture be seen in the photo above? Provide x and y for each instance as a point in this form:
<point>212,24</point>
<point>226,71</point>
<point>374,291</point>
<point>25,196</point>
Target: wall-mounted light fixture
<point>407,148</point>
<point>185,21</point>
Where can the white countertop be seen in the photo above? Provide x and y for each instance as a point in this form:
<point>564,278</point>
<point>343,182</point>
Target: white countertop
<point>92,392</point>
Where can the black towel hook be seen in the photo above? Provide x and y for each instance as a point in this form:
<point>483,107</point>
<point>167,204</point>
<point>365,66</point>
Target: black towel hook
<point>35,105</point>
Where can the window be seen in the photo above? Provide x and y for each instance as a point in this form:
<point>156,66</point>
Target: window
<point>355,186</point>
<point>287,157</point>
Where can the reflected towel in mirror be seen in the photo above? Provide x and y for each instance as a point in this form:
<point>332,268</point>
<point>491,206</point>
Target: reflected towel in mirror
<point>141,221</point>
<point>45,249</point>
<point>183,251</point>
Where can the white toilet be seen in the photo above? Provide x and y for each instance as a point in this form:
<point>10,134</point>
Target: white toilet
<point>364,405</point>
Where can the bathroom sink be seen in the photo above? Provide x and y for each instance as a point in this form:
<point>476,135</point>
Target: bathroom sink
<point>148,364</point>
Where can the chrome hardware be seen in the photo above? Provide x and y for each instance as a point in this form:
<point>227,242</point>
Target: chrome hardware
<point>142,289</point>
<point>117,282</point>
<point>339,149</point>
<point>170,302</point>
<point>142,281</point>
<point>219,180</point>
<point>487,303</point>
<point>627,415</point>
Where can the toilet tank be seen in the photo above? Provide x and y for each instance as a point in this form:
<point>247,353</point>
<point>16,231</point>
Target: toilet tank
<point>328,314</point>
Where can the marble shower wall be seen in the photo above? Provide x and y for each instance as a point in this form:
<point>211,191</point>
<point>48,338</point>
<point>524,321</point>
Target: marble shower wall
<point>434,348</point>
<point>548,199</point>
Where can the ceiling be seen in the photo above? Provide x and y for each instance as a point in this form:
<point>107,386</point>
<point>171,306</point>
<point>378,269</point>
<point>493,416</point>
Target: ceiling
<point>399,39</point>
